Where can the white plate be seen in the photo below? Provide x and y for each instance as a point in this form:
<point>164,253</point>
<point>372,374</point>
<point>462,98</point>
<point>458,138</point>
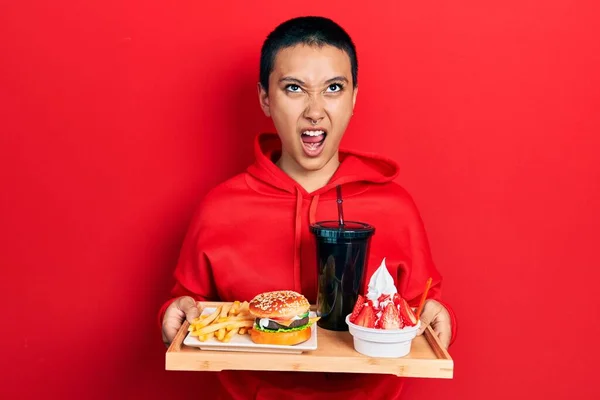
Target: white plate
<point>244,343</point>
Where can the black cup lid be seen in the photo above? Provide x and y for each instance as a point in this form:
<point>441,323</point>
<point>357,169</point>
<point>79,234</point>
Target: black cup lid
<point>350,229</point>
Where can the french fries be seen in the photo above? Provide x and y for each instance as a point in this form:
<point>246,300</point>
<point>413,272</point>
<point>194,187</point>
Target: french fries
<point>207,320</point>
<point>226,321</point>
<point>230,334</point>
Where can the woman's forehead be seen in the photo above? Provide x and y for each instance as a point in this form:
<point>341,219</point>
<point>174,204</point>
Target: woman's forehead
<point>312,64</point>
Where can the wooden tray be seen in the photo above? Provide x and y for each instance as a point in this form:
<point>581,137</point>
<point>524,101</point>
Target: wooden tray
<point>335,353</point>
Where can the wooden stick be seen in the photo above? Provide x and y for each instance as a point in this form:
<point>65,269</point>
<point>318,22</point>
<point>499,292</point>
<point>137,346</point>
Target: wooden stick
<point>423,299</point>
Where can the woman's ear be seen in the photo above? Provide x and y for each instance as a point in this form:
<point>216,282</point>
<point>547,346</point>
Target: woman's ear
<point>263,98</point>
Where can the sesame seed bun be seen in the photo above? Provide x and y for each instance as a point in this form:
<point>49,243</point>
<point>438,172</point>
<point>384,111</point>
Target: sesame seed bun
<point>281,304</point>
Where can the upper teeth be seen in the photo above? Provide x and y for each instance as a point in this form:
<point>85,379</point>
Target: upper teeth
<point>313,133</point>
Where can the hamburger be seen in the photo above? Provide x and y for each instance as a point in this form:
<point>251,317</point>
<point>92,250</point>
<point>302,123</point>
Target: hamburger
<point>281,318</point>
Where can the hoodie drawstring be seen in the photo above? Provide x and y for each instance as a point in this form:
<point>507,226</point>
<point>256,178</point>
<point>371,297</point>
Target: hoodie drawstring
<point>298,234</point>
<point>313,209</point>
<point>297,241</point>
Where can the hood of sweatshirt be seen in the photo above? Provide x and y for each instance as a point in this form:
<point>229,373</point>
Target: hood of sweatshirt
<point>356,168</point>
<point>356,172</point>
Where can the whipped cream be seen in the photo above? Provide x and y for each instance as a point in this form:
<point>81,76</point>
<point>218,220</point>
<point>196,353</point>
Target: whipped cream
<point>381,283</point>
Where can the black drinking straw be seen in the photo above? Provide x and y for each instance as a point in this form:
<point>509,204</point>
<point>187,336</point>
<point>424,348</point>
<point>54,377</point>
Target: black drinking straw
<point>340,208</point>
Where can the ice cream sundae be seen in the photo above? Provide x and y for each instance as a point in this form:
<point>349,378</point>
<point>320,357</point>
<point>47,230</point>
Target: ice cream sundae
<point>382,323</point>
<point>382,307</point>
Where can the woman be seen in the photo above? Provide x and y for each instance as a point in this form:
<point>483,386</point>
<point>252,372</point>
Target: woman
<point>251,233</point>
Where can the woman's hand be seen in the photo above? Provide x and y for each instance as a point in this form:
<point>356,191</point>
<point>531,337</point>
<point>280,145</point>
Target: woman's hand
<point>179,310</point>
<point>436,315</point>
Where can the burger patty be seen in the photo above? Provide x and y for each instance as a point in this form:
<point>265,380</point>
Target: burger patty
<point>274,325</point>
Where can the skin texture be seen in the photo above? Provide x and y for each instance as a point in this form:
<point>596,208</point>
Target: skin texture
<point>308,83</point>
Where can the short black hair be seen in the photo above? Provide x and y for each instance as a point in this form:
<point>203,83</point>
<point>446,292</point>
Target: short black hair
<point>309,30</point>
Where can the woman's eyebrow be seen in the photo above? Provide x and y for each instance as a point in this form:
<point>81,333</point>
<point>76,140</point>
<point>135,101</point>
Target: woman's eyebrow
<point>300,82</point>
<point>337,79</point>
<point>291,79</point>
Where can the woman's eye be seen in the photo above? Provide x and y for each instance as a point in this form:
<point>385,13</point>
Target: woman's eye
<point>336,87</point>
<point>293,88</point>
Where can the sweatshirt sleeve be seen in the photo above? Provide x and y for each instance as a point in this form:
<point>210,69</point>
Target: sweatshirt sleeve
<point>418,265</point>
<point>193,273</point>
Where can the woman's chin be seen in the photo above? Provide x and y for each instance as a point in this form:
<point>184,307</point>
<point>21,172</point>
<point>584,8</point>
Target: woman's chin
<point>314,164</point>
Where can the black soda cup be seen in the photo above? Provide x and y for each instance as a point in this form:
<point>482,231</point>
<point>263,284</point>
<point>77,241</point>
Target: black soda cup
<point>342,254</point>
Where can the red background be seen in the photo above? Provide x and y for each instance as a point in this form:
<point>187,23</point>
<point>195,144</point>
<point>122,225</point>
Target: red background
<point>117,117</point>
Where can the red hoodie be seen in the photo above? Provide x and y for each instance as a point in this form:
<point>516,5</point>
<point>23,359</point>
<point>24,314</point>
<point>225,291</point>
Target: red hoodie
<point>251,234</point>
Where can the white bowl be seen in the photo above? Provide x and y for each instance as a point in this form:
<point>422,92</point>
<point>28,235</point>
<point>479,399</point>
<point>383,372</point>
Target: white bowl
<point>388,343</point>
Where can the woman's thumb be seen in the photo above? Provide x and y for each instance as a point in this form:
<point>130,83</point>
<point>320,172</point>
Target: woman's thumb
<point>188,306</point>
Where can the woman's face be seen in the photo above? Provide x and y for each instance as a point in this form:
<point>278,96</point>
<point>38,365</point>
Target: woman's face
<point>311,97</point>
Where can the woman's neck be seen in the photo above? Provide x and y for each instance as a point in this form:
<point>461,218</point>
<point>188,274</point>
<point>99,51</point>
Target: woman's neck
<point>309,180</point>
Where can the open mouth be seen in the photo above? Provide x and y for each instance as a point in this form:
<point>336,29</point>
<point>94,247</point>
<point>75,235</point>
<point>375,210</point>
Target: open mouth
<point>313,141</point>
